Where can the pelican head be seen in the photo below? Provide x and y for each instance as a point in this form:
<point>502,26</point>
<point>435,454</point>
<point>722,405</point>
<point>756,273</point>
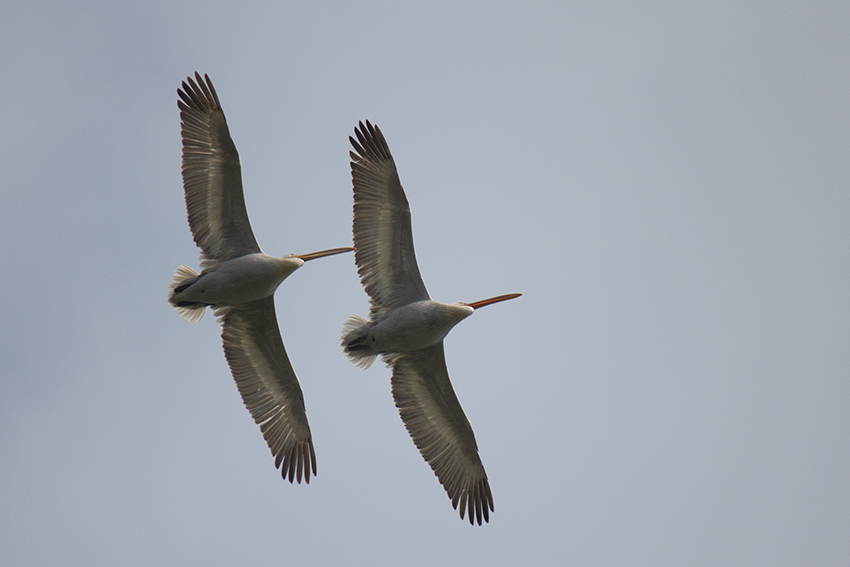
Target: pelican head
<point>299,259</point>
<point>492,300</point>
<point>291,262</point>
<point>320,254</point>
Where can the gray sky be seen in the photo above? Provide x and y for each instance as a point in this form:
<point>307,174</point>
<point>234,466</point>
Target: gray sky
<point>667,184</point>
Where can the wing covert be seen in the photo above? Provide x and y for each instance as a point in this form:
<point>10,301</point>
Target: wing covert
<point>383,236</point>
<point>268,384</point>
<point>212,176</point>
<point>440,429</point>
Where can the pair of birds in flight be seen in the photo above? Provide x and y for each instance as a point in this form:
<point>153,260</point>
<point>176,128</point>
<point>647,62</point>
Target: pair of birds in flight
<point>406,327</point>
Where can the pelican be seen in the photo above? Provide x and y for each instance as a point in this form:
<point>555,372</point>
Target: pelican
<point>407,327</point>
<point>238,281</point>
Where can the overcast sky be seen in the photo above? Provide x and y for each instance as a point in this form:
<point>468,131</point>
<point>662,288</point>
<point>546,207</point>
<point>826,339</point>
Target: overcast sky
<point>668,184</point>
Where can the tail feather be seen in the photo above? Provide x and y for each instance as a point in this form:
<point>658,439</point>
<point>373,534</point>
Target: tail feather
<point>183,277</point>
<point>357,352</point>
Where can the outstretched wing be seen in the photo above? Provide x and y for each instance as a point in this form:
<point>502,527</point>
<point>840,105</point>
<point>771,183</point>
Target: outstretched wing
<point>382,233</point>
<point>269,387</point>
<point>212,176</point>
<point>435,420</point>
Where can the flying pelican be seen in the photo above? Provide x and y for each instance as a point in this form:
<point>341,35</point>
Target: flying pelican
<point>407,327</point>
<point>238,280</point>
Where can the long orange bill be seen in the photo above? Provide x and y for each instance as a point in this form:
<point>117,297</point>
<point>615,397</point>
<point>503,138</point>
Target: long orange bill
<point>322,253</point>
<point>493,300</point>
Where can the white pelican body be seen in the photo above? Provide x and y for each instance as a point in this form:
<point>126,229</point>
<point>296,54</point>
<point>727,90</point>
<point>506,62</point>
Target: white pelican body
<point>238,281</point>
<point>407,327</point>
<point>403,330</point>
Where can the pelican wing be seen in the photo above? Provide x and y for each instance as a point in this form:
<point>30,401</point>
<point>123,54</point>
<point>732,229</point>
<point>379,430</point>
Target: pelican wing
<point>269,387</point>
<point>435,420</point>
<point>212,176</point>
<point>382,233</point>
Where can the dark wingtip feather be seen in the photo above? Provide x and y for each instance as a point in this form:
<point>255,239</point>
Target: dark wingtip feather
<point>198,92</point>
<point>476,501</point>
<point>298,463</point>
<point>372,140</point>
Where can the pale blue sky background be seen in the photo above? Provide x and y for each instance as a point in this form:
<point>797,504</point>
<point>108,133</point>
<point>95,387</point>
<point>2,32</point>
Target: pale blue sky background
<point>667,183</point>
